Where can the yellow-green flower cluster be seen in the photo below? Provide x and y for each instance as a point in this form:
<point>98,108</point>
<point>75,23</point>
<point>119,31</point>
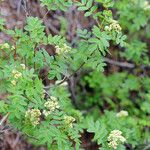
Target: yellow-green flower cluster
<point>13,82</point>
<point>4,46</point>
<point>64,49</point>
<point>114,138</point>
<point>51,105</point>
<point>46,112</point>
<point>122,113</point>
<point>33,116</point>
<point>69,120</point>
<point>114,25</point>
<point>16,74</point>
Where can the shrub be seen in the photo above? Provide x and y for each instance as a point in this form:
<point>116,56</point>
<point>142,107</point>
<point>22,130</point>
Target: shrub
<point>45,115</point>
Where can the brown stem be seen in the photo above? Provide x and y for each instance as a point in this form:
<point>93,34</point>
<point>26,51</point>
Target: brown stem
<point>34,56</point>
<point>120,64</point>
<point>4,119</point>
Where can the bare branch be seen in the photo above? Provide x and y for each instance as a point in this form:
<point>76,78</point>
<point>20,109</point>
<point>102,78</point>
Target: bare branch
<point>120,64</point>
<point>4,119</point>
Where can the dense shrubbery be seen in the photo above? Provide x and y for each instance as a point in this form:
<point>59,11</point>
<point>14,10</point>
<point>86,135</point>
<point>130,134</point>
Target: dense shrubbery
<point>113,105</point>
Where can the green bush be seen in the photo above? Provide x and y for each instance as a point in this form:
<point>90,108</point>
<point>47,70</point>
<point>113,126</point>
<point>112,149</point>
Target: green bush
<point>114,106</point>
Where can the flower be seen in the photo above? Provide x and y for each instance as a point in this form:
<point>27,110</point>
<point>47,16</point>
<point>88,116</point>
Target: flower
<point>64,49</point>
<point>67,48</point>
<point>23,66</point>
<point>13,47</point>
<point>122,113</point>
<point>5,46</point>
<point>13,82</point>
<point>58,49</point>
<point>107,28</point>
<point>53,98</point>
<point>114,25</point>
<point>46,113</point>
<point>114,138</point>
<point>51,105</point>
<point>69,120</point>
<point>33,116</point>
<point>113,144</point>
<point>16,74</point>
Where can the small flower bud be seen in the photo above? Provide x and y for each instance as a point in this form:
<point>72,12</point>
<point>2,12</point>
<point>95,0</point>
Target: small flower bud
<point>107,28</point>
<point>13,47</point>
<point>122,113</point>
<point>23,66</point>
<point>13,82</point>
<point>46,113</point>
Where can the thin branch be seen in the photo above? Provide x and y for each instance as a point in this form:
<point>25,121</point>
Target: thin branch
<point>120,64</point>
<point>147,147</point>
<point>35,49</point>
<point>28,98</point>
<point>25,9</point>
<point>88,144</point>
<point>66,78</point>
<point>50,26</point>
<point>16,141</point>
<point>4,119</point>
<point>45,15</point>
